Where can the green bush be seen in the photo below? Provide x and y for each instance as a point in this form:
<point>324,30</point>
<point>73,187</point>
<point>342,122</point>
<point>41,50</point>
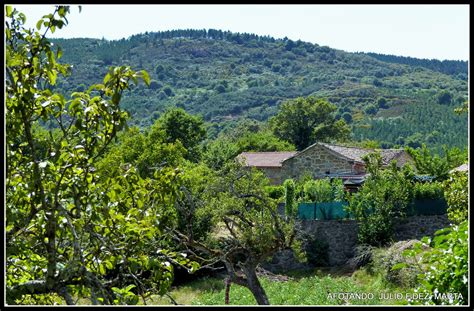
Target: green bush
<point>376,229</point>
<point>457,196</point>
<point>319,190</point>
<point>275,192</point>
<point>430,190</point>
<point>384,259</point>
<point>386,194</point>
<point>323,190</point>
<point>445,98</point>
<point>338,190</point>
<point>290,200</point>
<point>444,267</point>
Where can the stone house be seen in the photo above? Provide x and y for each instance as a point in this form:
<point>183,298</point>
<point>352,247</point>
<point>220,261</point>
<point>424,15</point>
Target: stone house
<point>320,160</point>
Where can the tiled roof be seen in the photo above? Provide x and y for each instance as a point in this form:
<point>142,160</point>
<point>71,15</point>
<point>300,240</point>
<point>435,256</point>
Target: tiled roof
<point>356,153</point>
<point>265,159</point>
<point>275,159</point>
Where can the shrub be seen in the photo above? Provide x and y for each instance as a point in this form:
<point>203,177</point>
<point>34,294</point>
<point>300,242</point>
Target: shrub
<point>445,98</point>
<point>290,201</point>
<point>382,102</point>
<point>430,190</point>
<point>384,259</point>
<point>457,196</point>
<point>220,88</point>
<point>376,229</point>
<point>275,192</point>
<point>347,117</point>
<point>386,194</point>
<point>319,190</point>
<point>338,189</point>
<point>155,85</point>
<point>371,109</point>
<point>168,91</point>
<point>444,266</point>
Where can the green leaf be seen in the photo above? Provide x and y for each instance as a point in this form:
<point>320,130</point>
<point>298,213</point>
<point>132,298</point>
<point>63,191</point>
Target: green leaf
<point>146,77</point>
<point>39,23</point>
<point>109,265</point>
<point>101,269</point>
<point>8,9</point>
<point>112,195</point>
<point>107,78</point>
<point>52,75</point>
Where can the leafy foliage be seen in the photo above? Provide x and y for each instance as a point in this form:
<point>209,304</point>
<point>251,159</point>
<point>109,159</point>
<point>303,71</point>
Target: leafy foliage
<point>323,190</point>
<point>262,141</point>
<point>276,192</point>
<point>457,195</point>
<point>386,194</point>
<point>244,229</point>
<point>304,121</point>
<point>70,231</point>
<point>444,267</point>
<point>436,166</point>
<point>290,198</point>
<point>428,190</point>
<point>177,125</point>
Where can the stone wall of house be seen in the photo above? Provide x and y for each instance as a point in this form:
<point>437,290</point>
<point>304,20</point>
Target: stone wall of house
<point>317,161</point>
<point>404,158</point>
<point>274,174</point>
<point>341,238</point>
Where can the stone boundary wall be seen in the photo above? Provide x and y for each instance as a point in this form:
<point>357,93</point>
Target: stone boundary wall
<point>416,227</point>
<point>341,237</point>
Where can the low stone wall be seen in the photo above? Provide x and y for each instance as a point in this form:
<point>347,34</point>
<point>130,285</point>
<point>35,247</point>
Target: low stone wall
<point>416,227</point>
<point>341,237</point>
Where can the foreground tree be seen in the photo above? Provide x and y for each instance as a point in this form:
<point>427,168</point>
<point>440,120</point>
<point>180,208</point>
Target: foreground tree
<point>243,224</point>
<point>70,233</point>
<point>303,121</point>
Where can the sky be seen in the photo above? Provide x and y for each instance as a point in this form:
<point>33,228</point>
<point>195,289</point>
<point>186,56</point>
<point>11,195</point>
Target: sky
<point>422,31</point>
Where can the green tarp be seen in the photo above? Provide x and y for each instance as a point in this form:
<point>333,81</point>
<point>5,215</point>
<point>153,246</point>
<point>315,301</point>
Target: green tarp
<point>428,207</point>
<point>322,211</point>
<point>335,210</point>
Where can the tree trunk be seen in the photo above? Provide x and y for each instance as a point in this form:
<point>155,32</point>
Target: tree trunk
<point>227,290</point>
<point>255,286</point>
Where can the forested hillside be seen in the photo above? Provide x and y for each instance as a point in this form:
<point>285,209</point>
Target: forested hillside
<point>228,76</point>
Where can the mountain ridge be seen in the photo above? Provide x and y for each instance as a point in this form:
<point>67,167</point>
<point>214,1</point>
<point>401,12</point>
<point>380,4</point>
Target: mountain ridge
<point>226,76</point>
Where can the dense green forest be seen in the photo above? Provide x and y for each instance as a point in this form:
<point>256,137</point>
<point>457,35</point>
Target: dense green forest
<point>226,77</point>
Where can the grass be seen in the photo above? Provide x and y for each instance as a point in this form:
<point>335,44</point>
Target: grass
<point>318,287</point>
